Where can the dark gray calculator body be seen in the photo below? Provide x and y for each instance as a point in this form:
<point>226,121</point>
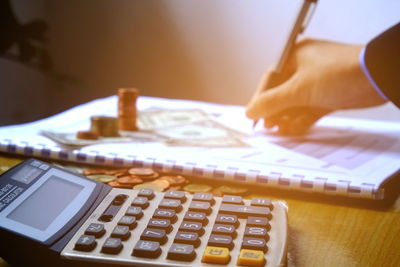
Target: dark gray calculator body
<point>94,225</point>
<point>41,207</point>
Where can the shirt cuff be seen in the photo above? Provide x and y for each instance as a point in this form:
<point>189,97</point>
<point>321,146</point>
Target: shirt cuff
<point>368,75</point>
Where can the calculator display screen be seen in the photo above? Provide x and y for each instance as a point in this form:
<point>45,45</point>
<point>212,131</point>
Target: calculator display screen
<point>46,203</point>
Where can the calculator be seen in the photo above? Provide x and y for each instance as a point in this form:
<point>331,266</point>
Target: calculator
<point>50,216</point>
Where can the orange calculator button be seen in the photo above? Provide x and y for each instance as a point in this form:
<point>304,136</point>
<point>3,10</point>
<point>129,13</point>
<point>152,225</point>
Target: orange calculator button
<point>216,255</point>
<point>250,257</point>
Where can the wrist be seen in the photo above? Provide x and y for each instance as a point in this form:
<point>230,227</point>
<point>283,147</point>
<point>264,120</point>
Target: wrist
<point>367,74</point>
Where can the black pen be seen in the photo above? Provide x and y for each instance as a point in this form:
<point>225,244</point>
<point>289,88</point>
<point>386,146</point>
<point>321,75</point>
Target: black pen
<point>304,16</point>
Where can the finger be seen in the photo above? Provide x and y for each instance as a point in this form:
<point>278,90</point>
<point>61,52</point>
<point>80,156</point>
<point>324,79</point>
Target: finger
<point>298,125</point>
<point>273,101</point>
<point>271,121</point>
<point>284,125</point>
<point>295,120</point>
<point>285,75</point>
<point>262,85</point>
<point>301,124</point>
<point>299,120</point>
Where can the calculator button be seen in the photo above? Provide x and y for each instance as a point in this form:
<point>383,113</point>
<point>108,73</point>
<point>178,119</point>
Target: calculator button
<point>121,231</point>
<point>151,234</point>
<point>249,257</point>
<point>181,252</point>
<point>129,221</point>
<point>255,231</point>
<point>216,255</point>
<point>146,192</point>
<point>85,243</point>
<point>147,249</point>
<point>135,212</point>
<point>200,206</point>
<point>254,243</point>
<point>224,229</point>
<point>173,204</point>
<point>174,194</point>
<point>192,227</point>
<point>263,202</point>
<point>243,211</point>
<point>200,217</point>
<point>95,229</point>
<point>119,199</point>
<point>220,241</point>
<point>191,238</point>
<point>258,221</point>
<point>232,199</point>
<point>207,197</point>
<point>142,202</point>
<point>112,246</point>
<point>106,217</point>
<point>165,214</point>
<point>160,224</point>
<point>227,219</point>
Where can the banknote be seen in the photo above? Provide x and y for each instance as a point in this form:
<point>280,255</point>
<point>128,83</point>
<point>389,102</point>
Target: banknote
<point>161,118</point>
<point>70,139</point>
<point>203,133</point>
<point>208,142</point>
<point>172,127</point>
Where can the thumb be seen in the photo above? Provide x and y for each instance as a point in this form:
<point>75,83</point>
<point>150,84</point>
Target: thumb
<point>274,100</point>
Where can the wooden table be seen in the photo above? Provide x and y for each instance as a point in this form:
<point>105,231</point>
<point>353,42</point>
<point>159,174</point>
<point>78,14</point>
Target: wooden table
<point>331,235</point>
<point>329,232</point>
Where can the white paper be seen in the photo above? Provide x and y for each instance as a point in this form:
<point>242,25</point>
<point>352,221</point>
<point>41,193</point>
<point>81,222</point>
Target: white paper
<point>336,149</point>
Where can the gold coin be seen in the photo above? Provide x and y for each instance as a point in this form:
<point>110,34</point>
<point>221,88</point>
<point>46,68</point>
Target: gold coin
<point>102,178</point>
<point>174,179</point>
<point>175,187</point>
<point>231,190</point>
<point>163,183</point>
<point>118,172</point>
<point>149,177</point>
<point>88,135</point>
<point>119,185</point>
<point>197,188</point>
<point>94,171</point>
<point>129,180</point>
<point>155,187</point>
<point>217,193</point>
<point>141,171</point>
<point>104,126</point>
<point>127,110</point>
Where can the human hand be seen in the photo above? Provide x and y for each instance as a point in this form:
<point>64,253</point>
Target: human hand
<point>320,77</point>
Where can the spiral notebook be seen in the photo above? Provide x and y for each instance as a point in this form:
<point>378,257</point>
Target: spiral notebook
<point>340,156</point>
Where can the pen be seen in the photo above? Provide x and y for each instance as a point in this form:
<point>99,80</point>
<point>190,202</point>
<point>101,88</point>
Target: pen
<point>301,22</point>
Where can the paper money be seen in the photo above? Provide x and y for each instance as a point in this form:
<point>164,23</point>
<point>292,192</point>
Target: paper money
<point>203,133</point>
<point>172,127</point>
<point>163,118</point>
<point>70,139</point>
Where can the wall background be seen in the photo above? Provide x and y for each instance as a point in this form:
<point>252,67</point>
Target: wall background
<point>204,50</point>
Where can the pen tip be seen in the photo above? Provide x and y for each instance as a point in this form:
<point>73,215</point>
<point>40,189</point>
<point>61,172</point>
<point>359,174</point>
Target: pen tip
<point>255,123</point>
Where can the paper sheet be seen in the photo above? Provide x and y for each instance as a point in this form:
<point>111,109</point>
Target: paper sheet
<point>336,149</point>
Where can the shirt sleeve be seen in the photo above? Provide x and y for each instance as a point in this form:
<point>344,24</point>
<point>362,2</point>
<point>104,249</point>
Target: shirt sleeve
<point>380,61</point>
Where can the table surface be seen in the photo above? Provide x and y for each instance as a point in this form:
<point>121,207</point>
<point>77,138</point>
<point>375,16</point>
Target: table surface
<point>325,233</point>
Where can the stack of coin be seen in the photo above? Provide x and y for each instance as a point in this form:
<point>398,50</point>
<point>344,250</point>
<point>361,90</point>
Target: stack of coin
<point>104,126</point>
<point>88,135</point>
<point>127,111</point>
<point>136,178</point>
